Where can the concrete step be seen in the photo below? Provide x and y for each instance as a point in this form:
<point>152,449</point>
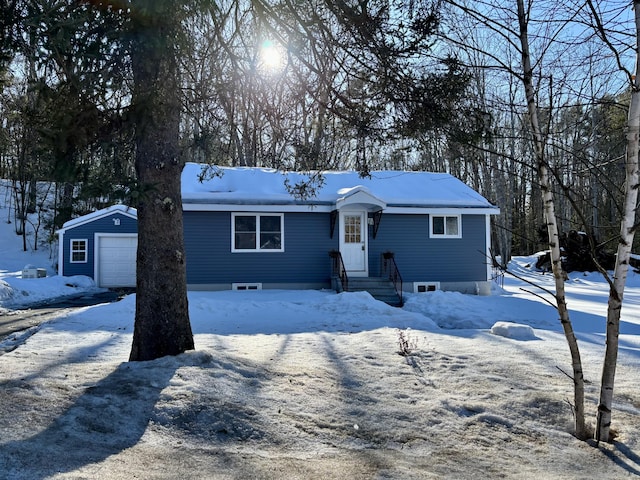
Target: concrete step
<point>381,289</point>
<point>370,282</point>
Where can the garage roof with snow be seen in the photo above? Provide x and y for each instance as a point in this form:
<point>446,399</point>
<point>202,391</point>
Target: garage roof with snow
<point>93,216</point>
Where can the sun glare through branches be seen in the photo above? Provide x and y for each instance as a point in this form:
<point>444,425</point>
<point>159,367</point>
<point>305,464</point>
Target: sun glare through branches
<point>272,56</point>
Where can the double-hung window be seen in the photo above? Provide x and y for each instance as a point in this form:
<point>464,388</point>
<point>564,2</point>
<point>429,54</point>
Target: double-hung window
<point>257,232</point>
<point>445,226</point>
<point>78,251</point>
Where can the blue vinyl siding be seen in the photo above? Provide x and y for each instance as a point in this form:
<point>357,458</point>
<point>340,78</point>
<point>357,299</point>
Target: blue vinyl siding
<point>420,258</point>
<point>307,242</point>
<point>87,231</point>
<point>305,258</point>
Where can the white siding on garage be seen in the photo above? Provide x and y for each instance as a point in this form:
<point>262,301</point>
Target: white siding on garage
<point>116,260</point>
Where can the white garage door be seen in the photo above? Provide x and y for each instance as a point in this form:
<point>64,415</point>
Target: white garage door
<point>117,261</point>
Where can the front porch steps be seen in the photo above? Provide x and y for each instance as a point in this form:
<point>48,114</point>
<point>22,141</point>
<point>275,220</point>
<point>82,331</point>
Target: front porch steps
<point>380,288</point>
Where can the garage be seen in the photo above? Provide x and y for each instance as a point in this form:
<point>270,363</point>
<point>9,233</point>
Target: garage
<point>101,245</point>
<point>116,261</point>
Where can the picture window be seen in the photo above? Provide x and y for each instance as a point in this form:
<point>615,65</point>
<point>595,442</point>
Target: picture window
<point>252,232</point>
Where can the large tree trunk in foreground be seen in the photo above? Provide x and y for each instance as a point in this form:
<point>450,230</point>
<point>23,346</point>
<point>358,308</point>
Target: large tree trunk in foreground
<point>552,227</point>
<point>627,232</point>
<point>162,324</point>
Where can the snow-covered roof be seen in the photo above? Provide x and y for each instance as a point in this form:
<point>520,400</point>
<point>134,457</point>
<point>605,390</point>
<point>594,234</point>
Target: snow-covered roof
<point>391,190</point>
<point>105,212</point>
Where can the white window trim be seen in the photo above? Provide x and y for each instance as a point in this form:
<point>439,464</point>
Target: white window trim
<point>248,287</point>
<point>257,249</point>
<point>86,250</point>
<point>435,235</point>
<point>427,287</point>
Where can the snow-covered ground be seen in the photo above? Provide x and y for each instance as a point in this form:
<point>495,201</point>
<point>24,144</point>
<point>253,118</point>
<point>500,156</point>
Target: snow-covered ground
<point>310,385</point>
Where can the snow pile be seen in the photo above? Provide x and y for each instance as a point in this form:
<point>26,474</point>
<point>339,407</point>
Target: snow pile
<point>6,291</point>
<point>16,291</point>
<point>514,331</point>
<point>453,310</point>
<point>287,312</point>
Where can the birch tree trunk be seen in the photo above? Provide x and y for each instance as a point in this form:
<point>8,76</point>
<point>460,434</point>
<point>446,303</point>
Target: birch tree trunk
<point>552,227</point>
<point>627,232</point>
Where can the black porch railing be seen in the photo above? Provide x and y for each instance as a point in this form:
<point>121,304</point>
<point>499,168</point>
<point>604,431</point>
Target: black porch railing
<point>390,270</point>
<point>338,271</point>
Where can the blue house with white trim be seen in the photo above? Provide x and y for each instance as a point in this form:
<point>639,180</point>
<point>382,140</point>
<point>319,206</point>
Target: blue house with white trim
<point>245,230</point>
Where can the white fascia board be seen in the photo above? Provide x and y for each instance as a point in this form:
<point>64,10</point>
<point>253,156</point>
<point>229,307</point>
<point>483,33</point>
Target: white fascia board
<point>443,210</point>
<point>210,207</point>
<point>225,207</point>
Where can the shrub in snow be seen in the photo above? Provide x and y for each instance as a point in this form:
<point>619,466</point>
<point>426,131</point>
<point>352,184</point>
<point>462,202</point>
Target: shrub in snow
<point>513,330</point>
<point>406,343</point>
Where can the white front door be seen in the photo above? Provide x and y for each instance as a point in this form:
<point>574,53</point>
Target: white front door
<point>353,242</point>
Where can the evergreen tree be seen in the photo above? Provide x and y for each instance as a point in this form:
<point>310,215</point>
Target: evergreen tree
<point>162,324</point>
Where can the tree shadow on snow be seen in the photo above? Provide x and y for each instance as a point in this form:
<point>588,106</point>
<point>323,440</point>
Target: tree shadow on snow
<point>114,414</point>
<point>106,419</point>
<point>623,457</point>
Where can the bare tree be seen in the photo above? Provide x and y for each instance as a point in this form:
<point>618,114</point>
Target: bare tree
<point>551,222</point>
<point>510,30</point>
<point>628,227</point>
<point>574,142</point>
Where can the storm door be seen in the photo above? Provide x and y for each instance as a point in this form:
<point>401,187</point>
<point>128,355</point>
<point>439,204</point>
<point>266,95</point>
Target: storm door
<point>353,242</point>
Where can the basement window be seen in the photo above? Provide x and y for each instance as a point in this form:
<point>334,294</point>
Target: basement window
<point>246,286</point>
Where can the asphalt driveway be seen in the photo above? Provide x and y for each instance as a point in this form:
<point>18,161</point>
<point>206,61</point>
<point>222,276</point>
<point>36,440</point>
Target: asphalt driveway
<point>13,321</point>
